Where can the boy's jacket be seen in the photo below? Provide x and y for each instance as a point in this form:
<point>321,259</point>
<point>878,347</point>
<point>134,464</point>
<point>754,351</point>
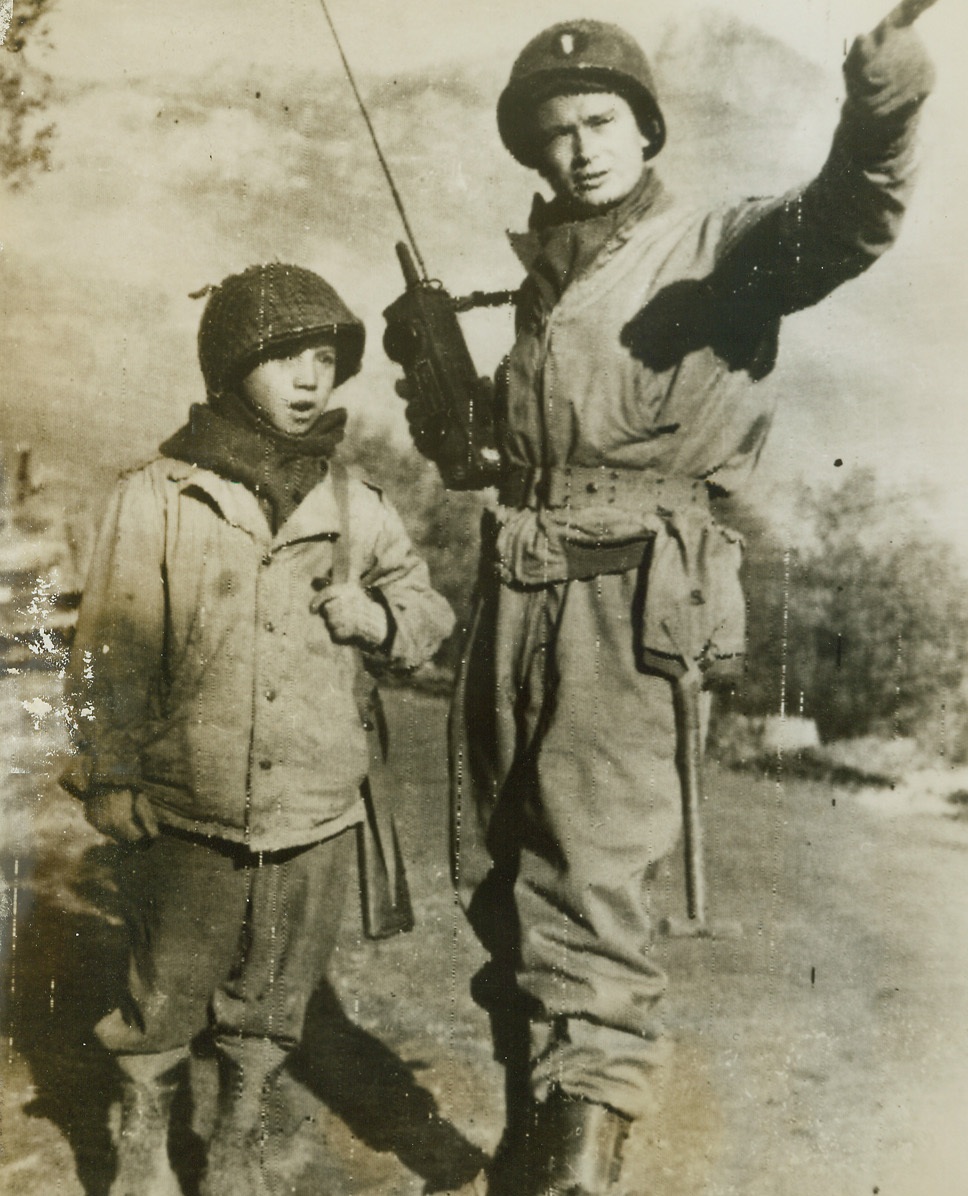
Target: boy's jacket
<point>199,674</point>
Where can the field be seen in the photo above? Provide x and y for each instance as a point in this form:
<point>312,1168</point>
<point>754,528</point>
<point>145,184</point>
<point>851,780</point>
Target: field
<point>821,1052</point>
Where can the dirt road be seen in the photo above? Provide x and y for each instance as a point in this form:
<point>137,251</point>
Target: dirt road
<point>823,1053</point>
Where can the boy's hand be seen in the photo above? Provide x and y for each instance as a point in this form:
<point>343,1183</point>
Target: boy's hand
<point>352,615</point>
<point>122,814</point>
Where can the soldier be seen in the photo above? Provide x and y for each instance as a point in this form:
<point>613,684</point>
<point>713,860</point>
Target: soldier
<point>628,398</point>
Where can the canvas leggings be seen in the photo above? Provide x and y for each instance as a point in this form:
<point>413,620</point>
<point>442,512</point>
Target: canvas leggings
<point>224,938</point>
<point>566,794</point>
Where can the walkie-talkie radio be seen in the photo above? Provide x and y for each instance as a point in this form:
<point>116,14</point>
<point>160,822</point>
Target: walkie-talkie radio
<point>424,336</point>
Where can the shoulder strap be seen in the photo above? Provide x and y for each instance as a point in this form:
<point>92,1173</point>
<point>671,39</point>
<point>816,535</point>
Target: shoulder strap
<point>341,547</point>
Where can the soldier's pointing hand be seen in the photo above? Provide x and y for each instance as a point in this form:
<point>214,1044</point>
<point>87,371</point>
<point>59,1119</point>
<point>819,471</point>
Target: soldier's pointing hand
<point>889,70</point>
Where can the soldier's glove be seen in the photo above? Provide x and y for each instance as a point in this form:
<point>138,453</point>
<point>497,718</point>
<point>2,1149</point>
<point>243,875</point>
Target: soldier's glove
<point>122,815</point>
<point>888,71</point>
<point>351,615</point>
<point>426,426</point>
<point>433,438</point>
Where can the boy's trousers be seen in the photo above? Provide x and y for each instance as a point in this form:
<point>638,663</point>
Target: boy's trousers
<point>225,938</point>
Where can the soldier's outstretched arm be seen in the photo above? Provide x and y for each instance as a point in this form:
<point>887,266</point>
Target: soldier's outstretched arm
<point>781,256</point>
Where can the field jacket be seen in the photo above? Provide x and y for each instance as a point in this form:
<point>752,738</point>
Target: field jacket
<point>199,675</point>
<point>645,364</point>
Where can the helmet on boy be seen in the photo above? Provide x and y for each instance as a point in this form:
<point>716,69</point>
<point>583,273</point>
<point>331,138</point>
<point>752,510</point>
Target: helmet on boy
<point>577,55</point>
<point>268,311</point>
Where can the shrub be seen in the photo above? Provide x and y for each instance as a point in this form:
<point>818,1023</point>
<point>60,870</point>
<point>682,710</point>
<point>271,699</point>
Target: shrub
<point>862,625</point>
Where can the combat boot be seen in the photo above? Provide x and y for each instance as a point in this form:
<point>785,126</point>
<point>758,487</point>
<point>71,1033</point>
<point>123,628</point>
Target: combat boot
<point>148,1085</point>
<point>248,1069</point>
<point>580,1146</point>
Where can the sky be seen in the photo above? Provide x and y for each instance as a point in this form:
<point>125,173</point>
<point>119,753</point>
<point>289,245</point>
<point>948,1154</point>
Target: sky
<point>919,296</point>
<point>98,38</point>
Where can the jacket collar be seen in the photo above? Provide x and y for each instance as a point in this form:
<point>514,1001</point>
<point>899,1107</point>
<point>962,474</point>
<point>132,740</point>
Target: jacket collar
<point>550,219</point>
<point>316,517</point>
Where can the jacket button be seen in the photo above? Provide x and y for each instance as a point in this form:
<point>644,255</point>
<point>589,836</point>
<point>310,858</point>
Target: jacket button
<point>592,487</point>
<point>265,765</point>
<point>267,559</point>
<point>270,695</point>
<point>269,625</point>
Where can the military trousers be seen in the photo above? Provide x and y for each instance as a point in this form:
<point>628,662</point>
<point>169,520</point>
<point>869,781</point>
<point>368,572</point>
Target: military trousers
<point>565,796</point>
<point>224,938</point>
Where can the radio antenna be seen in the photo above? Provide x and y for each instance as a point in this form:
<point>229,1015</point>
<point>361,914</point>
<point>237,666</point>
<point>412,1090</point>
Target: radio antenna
<point>376,144</point>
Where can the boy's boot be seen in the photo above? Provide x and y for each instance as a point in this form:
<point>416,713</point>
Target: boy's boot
<point>580,1146</point>
<point>247,1070</point>
<point>149,1083</point>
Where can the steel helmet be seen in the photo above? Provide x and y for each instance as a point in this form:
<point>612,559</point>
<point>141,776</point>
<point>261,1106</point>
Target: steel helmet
<point>578,54</point>
<point>267,311</point>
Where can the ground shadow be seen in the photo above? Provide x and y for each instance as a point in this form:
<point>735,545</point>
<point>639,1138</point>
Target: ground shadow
<point>66,971</point>
<point>377,1095</point>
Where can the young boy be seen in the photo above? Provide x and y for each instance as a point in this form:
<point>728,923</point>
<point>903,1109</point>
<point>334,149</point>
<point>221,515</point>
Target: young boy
<point>218,693</point>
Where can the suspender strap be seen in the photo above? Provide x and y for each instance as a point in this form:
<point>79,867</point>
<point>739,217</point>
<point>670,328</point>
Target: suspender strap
<point>384,894</point>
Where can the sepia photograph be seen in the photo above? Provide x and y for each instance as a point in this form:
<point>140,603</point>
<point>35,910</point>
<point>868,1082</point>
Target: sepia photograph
<point>483,598</point>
